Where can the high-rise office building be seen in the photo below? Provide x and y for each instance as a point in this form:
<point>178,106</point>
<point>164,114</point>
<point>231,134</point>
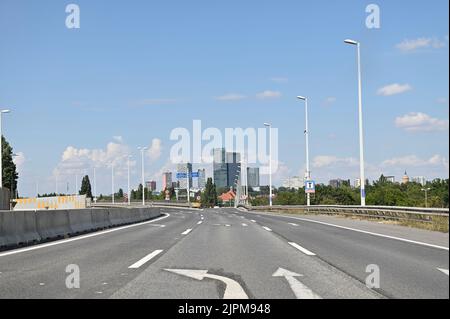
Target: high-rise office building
<point>201,181</point>
<point>233,167</point>
<point>220,170</point>
<point>185,169</point>
<point>167,180</point>
<point>253,176</point>
<point>151,185</point>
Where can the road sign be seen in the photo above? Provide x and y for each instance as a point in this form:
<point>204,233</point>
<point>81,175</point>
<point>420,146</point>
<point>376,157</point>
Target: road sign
<point>184,175</point>
<point>310,187</point>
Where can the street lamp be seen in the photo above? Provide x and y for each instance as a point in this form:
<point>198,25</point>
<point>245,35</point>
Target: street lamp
<point>129,190</point>
<point>143,149</point>
<point>270,162</point>
<point>308,172</point>
<point>361,132</point>
<point>1,146</point>
<point>112,182</point>
<point>426,195</point>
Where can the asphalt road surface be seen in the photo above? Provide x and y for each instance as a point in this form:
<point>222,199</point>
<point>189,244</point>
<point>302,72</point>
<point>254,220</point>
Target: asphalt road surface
<point>228,253</point>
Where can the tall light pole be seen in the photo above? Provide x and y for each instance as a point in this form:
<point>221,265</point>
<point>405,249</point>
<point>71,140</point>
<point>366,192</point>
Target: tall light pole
<point>1,146</point>
<point>361,131</point>
<point>142,149</point>
<point>308,172</point>
<point>270,162</point>
<point>112,182</point>
<point>426,195</point>
<point>95,186</point>
<point>129,189</point>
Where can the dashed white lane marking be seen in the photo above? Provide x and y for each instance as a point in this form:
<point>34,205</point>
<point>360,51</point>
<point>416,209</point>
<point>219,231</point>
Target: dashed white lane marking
<point>245,225</point>
<point>64,241</point>
<point>253,221</point>
<point>445,271</point>
<point>303,250</point>
<point>146,259</point>
<point>227,225</point>
<point>367,232</point>
<point>41,284</point>
<point>267,228</point>
<point>199,223</point>
<point>293,224</point>
<point>187,231</point>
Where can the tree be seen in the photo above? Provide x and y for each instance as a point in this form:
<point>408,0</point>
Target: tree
<point>120,193</point>
<point>10,174</point>
<point>86,187</point>
<point>209,195</point>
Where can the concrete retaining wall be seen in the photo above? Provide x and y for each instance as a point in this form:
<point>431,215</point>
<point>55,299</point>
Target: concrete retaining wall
<point>24,227</point>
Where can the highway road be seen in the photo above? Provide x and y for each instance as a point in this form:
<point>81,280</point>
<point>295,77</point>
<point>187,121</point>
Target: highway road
<point>228,253</point>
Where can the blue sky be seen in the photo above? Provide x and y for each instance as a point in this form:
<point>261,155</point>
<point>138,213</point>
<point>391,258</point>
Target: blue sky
<point>137,69</point>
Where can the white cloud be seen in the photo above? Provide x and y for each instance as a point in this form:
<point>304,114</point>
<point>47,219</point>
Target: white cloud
<point>19,160</point>
<point>268,95</point>
<point>326,161</point>
<point>154,151</point>
<point>408,45</point>
<point>394,89</point>
<point>420,122</point>
<point>330,100</point>
<point>414,161</point>
<point>230,97</point>
<point>77,160</point>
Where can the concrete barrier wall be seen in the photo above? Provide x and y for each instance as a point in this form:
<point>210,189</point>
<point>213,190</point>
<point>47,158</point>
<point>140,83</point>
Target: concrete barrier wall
<point>52,203</point>
<point>5,197</point>
<point>25,227</point>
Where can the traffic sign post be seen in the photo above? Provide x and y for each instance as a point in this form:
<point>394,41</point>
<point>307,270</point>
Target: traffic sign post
<point>310,187</point>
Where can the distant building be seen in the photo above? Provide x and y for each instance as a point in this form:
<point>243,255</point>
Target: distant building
<point>175,185</point>
<point>420,180</point>
<point>294,182</point>
<point>185,168</point>
<point>253,177</point>
<point>405,178</point>
<point>336,183</point>
<point>390,179</point>
<point>220,171</point>
<point>151,185</point>
<point>201,181</point>
<point>233,167</point>
<point>167,180</point>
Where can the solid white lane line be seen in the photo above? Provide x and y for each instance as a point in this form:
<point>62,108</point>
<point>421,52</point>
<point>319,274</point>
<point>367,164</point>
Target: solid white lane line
<point>64,241</point>
<point>199,223</point>
<point>303,250</point>
<point>267,228</point>
<point>293,224</point>
<point>187,231</point>
<point>445,271</point>
<point>367,232</point>
<point>145,259</point>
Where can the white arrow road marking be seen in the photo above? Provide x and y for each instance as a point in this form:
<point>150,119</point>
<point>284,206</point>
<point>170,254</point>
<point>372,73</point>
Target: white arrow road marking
<point>300,290</point>
<point>293,224</point>
<point>145,259</point>
<point>267,228</point>
<point>303,250</point>
<point>232,291</point>
<point>187,231</point>
<point>445,271</point>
